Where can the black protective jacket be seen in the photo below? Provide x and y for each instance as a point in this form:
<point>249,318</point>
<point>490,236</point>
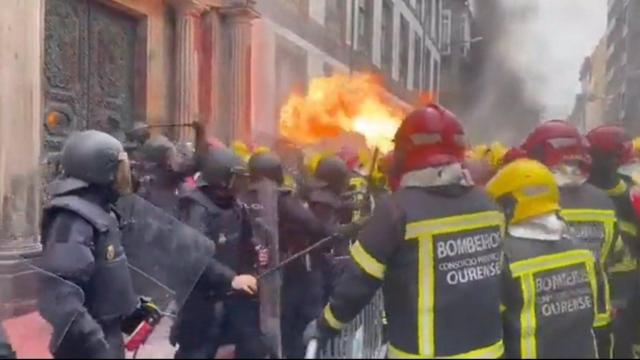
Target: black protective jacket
<point>82,246</point>
<point>436,253</point>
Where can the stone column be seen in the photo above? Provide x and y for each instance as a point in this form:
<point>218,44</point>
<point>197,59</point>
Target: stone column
<point>238,18</point>
<point>21,24</point>
<point>186,64</point>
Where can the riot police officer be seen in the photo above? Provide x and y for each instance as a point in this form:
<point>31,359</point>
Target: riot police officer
<point>325,197</point>
<point>208,318</point>
<point>435,248</point>
<point>6,351</point>
<point>549,278</point>
<point>299,228</point>
<point>82,244</point>
<point>162,173</point>
<point>588,210</point>
<point>611,151</point>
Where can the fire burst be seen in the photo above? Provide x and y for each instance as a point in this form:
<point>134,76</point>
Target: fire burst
<point>341,104</point>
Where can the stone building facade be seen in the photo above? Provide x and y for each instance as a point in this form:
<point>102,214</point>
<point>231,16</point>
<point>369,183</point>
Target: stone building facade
<point>109,64</point>
<point>297,40</point>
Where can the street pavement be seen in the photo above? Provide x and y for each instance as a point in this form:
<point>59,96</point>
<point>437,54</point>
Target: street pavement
<point>29,335</point>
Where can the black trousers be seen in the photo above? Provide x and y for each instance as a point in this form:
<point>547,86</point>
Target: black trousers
<point>234,321</point>
<point>72,347</point>
<point>625,293</point>
<point>302,301</point>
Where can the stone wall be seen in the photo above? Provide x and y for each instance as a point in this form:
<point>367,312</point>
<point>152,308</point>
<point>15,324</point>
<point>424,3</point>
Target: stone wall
<point>20,124</point>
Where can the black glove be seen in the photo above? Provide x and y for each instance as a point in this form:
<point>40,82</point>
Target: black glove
<point>145,311</point>
<point>352,229</point>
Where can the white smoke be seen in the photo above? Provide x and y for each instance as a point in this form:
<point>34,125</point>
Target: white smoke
<point>546,42</point>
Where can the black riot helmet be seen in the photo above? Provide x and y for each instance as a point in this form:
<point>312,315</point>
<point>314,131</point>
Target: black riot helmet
<point>94,157</point>
<point>332,172</point>
<point>266,165</point>
<point>157,150</point>
<point>220,167</point>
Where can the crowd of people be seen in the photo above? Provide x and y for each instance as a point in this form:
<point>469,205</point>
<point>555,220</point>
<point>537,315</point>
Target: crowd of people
<point>484,252</point>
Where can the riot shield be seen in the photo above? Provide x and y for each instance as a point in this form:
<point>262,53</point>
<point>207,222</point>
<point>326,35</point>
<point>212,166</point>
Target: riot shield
<point>37,309</point>
<point>263,204</point>
<point>166,256</point>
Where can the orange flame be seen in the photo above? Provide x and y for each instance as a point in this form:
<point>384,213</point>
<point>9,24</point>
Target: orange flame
<point>338,104</point>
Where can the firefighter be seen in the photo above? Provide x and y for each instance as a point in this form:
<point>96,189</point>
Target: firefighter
<point>209,318</point>
<point>548,277</point>
<point>588,210</point>
<point>611,150</point>
<point>6,351</point>
<point>434,247</point>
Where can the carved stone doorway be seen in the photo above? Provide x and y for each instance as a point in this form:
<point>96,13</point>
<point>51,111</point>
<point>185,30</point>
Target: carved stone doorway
<point>89,71</point>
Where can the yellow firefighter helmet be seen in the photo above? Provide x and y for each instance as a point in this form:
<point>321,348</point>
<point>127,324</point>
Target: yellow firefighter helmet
<point>241,149</point>
<point>529,186</point>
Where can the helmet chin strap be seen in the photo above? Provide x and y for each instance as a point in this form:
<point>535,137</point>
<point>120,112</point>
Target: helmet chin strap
<point>452,174</point>
<point>568,180</point>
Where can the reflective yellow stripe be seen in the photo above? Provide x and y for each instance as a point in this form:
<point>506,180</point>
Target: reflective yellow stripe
<point>367,262</point>
<point>620,188</point>
<point>608,219</point>
<point>502,308</point>
<point>623,266</point>
<point>494,351</point>
<point>528,345</point>
<point>628,227</point>
<point>331,319</point>
<point>548,262</point>
<point>469,221</point>
<point>424,232</point>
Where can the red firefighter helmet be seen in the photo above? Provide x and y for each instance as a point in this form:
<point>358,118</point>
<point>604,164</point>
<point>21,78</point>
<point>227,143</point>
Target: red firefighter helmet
<point>556,141</point>
<point>428,137</point>
<point>513,154</point>
<point>612,142</point>
<point>350,156</point>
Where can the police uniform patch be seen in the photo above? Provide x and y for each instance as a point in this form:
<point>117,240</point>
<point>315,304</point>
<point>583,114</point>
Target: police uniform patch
<point>111,252</point>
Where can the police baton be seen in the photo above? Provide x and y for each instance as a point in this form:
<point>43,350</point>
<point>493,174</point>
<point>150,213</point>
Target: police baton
<point>297,256</point>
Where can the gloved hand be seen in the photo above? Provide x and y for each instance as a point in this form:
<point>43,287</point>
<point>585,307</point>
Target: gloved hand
<point>352,229</point>
<point>145,310</point>
<point>315,331</point>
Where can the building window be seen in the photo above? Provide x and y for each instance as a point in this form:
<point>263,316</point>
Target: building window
<point>404,50</point>
<point>334,13</point>
<point>426,69</point>
<point>426,22</point>
<point>446,32</point>
<point>365,25</point>
<point>386,35</point>
<point>420,8</point>
<point>436,16</point>
<point>299,5</point>
<point>465,35</point>
<point>416,61</point>
<point>436,79</point>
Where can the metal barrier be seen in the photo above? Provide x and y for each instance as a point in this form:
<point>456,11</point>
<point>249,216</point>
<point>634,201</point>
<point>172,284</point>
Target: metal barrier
<point>363,338</point>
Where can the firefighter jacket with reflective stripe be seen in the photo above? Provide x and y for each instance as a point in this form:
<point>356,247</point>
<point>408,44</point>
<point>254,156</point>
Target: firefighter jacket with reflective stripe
<point>625,253</point>
<point>549,296</point>
<point>437,254</point>
<point>592,219</point>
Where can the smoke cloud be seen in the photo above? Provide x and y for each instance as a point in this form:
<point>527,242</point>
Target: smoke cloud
<point>526,68</point>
